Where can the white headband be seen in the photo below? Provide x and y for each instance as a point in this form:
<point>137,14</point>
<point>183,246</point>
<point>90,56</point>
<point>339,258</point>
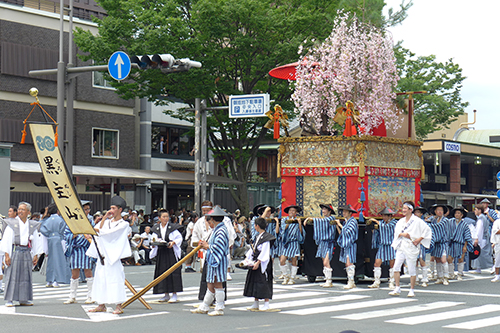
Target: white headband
<point>408,205</point>
<point>209,207</point>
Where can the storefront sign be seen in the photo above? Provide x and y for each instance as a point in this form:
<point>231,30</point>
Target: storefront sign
<point>452,147</point>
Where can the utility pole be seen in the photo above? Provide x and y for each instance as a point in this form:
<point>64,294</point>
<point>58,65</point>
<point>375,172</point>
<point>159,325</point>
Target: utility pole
<point>197,154</point>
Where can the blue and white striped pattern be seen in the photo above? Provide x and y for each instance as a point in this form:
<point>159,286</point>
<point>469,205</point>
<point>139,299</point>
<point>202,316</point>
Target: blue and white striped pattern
<point>382,240</point>
<point>347,241</point>
<point>271,229</point>
<point>440,238</point>
<point>253,232</point>
<point>76,248</point>
<point>290,238</point>
<point>494,216</point>
<point>324,235</point>
<point>459,234</point>
<point>217,253</point>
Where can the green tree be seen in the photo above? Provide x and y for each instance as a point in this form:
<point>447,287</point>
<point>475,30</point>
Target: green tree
<point>237,41</point>
<point>443,82</point>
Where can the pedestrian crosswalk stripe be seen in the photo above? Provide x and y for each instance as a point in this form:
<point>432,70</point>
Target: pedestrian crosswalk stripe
<point>349,306</point>
<point>302,302</point>
<point>243,300</point>
<point>398,311</point>
<point>422,319</point>
<point>476,324</point>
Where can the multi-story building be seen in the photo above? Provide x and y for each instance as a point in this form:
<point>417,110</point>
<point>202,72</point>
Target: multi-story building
<point>105,126</point>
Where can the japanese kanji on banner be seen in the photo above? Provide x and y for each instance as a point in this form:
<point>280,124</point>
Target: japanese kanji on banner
<point>58,181</point>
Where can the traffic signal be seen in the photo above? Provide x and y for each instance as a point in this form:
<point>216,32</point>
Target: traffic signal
<point>165,62</point>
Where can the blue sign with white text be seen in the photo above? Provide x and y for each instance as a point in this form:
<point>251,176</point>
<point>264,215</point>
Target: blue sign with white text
<point>247,106</point>
<point>119,65</point>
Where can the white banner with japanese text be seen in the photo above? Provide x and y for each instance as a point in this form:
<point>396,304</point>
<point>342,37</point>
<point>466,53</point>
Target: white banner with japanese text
<point>58,181</point>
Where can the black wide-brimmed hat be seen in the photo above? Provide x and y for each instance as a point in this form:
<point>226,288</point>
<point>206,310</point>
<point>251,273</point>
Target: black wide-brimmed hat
<point>432,208</point>
<point>292,206</point>
<point>387,211</point>
<point>255,210</point>
<point>348,208</point>
<point>422,209</point>
<point>329,207</point>
<point>475,253</point>
<point>118,201</point>
<point>261,210</point>
<point>461,209</point>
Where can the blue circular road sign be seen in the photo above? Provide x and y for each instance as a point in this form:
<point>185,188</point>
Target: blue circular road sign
<point>498,194</point>
<point>119,65</point>
<point>498,175</point>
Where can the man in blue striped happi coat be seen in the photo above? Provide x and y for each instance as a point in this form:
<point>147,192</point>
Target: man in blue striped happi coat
<point>383,236</point>
<point>440,240</point>
<point>460,241</point>
<point>291,233</point>
<point>217,261</point>
<point>324,236</point>
<point>348,236</point>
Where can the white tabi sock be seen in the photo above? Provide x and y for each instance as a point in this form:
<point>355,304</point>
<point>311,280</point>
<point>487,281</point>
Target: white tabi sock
<point>90,285</point>
<point>294,272</point>
<point>350,272</point>
<point>255,305</point>
<point>266,306</point>
<point>424,274</point>
<point>289,266</point>
<point>377,273</point>
<point>73,286</point>
<point>174,297</point>
<point>461,268</point>
<point>451,269</point>
<point>439,270</point>
<point>328,273</point>
<point>208,300</point>
<point>445,270</point>
<point>219,299</point>
<point>284,270</point>
<point>432,266</point>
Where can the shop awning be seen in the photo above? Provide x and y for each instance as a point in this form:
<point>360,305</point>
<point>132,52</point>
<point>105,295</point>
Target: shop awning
<point>29,171</point>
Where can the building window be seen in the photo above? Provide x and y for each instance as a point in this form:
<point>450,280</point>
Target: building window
<point>171,140</point>
<point>105,143</point>
<point>98,81</point>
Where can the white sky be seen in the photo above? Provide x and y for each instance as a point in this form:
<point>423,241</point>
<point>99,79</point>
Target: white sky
<point>467,31</point>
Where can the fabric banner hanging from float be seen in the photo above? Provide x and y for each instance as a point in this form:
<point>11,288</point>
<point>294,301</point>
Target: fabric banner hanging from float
<point>56,176</point>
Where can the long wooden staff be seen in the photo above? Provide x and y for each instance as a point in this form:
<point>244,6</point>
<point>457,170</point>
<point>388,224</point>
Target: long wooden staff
<point>132,289</point>
<point>160,278</point>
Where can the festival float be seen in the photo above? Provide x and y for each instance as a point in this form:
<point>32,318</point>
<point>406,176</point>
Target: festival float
<point>357,146</point>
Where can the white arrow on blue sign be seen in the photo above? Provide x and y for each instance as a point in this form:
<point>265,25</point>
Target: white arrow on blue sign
<point>498,175</point>
<point>119,65</point>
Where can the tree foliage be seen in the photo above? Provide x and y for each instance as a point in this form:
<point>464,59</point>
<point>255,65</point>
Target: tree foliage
<point>237,41</point>
<point>443,82</point>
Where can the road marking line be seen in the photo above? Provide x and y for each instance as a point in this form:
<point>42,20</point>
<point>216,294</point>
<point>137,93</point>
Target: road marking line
<point>476,324</point>
<point>397,311</point>
<point>312,301</point>
<point>349,306</point>
<point>422,319</point>
<point>275,297</point>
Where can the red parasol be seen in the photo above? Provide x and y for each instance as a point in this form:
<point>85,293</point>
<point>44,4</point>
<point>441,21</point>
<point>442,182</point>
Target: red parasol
<point>287,72</point>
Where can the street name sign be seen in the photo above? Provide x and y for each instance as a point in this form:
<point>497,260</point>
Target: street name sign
<point>248,106</point>
<point>119,65</point>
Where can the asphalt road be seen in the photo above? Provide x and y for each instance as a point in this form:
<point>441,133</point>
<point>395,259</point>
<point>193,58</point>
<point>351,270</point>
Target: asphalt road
<point>305,307</point>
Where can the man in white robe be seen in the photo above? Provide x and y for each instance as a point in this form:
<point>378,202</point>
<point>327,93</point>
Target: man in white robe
<point>113,245</point>
<point>21,247</point>
<point>409,234</point>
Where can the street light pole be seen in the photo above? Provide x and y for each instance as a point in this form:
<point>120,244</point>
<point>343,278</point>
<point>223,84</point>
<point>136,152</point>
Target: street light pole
<point>69,100</point>
<point>61,74</point>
